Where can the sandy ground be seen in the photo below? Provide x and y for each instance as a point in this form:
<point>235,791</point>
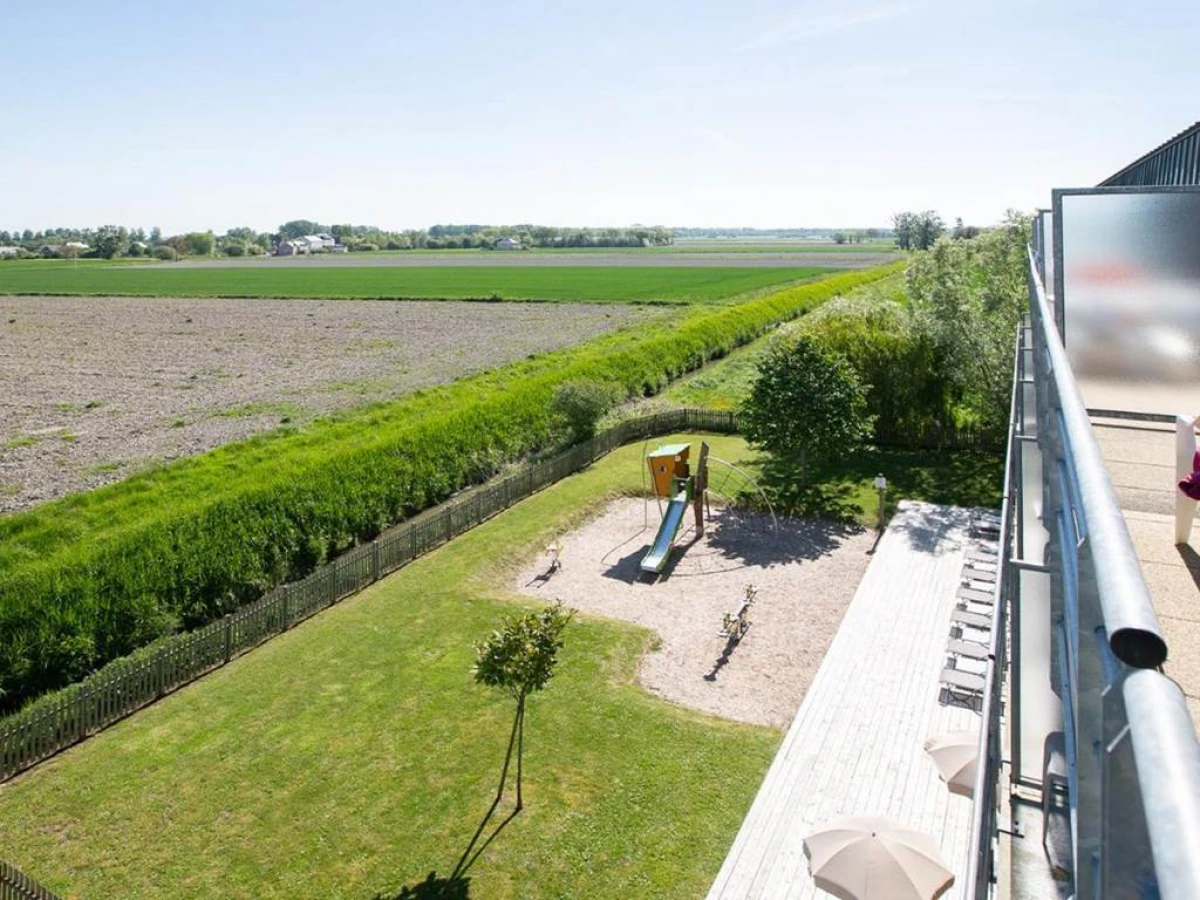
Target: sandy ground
<point>92,389</point>
<point>805,572</point>
<point>743,259</point>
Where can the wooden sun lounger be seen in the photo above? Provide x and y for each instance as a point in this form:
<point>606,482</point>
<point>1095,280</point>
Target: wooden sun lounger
<point>969,649</point>
<point>972,619</point>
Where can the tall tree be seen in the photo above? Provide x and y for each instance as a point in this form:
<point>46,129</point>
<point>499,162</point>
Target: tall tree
<point>110,241</point>
<point>917,230</point>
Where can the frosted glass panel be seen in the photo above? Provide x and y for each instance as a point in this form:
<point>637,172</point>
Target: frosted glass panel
<point>1131,298</point>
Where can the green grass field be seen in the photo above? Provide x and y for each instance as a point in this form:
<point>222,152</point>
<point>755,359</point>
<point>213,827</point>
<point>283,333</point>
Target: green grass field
<point>352,756</point>
<point>597,284</point>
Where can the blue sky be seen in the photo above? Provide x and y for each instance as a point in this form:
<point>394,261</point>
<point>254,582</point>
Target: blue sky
<point>403,114</point>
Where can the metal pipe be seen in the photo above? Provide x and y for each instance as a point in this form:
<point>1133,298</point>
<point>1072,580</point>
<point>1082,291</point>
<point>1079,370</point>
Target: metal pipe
<point>1133,630</point>
<point>1168,770</point>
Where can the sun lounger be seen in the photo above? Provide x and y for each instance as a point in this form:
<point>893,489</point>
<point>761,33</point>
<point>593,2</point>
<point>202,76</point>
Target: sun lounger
<point>969,649</point>
<point>971,619</point>
<point>970,573</point>
<point>986,557</point>
<point>974,595</point>
<point>963,686</point>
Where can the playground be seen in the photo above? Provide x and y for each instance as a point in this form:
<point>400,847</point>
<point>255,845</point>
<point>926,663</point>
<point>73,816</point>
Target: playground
<point>643,560</point>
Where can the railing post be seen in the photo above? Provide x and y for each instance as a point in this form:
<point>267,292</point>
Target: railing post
<point>228,638</point>
<point>374,561</point>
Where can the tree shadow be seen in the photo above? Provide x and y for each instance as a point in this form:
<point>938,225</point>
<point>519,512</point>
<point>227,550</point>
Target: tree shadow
<point>753,539</point>
<point>837,489</point>
<point>927,532</point>
<point>434,887</point>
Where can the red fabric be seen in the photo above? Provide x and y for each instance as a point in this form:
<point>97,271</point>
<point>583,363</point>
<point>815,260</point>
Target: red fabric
<point>1191,485</point>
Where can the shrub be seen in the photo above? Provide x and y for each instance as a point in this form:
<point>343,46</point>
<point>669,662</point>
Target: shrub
<point>169,254</point>
<point>234,249</point>
<point>91,577</point>
<point>806,401</point>
<point>581,403</point>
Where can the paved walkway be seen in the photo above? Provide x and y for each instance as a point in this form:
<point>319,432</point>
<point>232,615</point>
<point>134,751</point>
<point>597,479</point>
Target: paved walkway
<point>856,746</point>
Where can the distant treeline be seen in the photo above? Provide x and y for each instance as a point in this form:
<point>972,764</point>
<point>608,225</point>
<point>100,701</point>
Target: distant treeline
<point>109,241</point>
<point>814,234</point>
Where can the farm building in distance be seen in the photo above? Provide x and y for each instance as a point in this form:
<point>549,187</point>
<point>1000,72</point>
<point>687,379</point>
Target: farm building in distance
<point>310,243</point>
<point>508,243</point>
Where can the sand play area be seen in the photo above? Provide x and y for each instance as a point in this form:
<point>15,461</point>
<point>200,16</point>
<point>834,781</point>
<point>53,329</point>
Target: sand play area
<point>805,573</point>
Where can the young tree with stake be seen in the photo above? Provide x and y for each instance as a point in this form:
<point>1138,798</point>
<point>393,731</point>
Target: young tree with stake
<point>520,658</point>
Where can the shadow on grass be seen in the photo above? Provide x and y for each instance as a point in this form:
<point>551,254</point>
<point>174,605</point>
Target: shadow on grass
<point>434,887</point>
<point>841,490</point>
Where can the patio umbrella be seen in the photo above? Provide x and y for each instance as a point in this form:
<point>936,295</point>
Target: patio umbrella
<point>956,754</point>
<point>873,858</point>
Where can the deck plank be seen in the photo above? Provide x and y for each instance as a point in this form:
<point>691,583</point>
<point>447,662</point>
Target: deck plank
<point>856,745</point>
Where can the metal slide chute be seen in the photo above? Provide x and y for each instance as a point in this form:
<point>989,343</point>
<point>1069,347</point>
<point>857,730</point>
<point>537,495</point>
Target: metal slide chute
<point>656,559</point>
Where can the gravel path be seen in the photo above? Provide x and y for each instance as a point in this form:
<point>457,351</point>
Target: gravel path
<point>806,573</point>
<point>94,388</point>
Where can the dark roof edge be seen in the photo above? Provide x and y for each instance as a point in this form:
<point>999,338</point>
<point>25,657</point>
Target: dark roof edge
<point>1145,156</point>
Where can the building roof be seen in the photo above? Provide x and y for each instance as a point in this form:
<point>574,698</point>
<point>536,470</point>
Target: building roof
<point>1122,177</point>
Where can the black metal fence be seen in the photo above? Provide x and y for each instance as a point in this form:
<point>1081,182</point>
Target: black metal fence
<point>16,885</point>
<point>125,685</point>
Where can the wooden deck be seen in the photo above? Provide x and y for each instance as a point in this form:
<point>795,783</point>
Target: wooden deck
<point>857,744</point>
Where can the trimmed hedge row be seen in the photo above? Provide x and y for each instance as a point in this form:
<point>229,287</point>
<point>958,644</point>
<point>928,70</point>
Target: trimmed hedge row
<point>92,577</point>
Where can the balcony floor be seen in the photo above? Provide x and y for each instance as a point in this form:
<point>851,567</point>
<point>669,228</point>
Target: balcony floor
<point>1140,457</point>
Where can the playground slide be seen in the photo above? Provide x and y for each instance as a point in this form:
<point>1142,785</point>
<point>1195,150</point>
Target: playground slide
<point>657,557</point>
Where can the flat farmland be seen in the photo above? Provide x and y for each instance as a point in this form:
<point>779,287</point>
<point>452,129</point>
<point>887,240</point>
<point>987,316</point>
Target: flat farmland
<point>399,277</point>
<point>93,389</point>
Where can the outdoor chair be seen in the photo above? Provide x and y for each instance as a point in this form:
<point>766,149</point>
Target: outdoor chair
<point>967,649</point>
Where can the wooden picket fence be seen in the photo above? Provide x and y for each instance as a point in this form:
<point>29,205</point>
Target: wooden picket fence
<point>16,885</point>
<point>68,716</point>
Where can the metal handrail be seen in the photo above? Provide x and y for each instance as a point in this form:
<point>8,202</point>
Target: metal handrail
<point>1156,722</point>
<point>1133,630</point>
<point>1164,746</point>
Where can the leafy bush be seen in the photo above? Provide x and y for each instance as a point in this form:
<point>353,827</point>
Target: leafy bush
<point>234,249</point>
<point>90,577</point>
<point>907,391</point>
<point>580,404</point>
<point>806,402</point>
<point>169,254</point>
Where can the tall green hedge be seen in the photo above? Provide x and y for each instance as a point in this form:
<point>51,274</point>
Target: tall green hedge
<point>94,576</point>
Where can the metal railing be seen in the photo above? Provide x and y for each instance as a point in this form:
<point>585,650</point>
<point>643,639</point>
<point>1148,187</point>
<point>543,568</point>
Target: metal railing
<point>1133,761</point>
<point>16,885</point>
<point>980,876</point>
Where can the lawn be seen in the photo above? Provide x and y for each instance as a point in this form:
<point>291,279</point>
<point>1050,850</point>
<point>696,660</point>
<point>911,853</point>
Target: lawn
<point>599,284</point>
<point>353,756</point>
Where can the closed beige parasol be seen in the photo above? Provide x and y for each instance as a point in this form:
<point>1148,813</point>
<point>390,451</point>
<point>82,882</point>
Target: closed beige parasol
<point>956,754</point>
